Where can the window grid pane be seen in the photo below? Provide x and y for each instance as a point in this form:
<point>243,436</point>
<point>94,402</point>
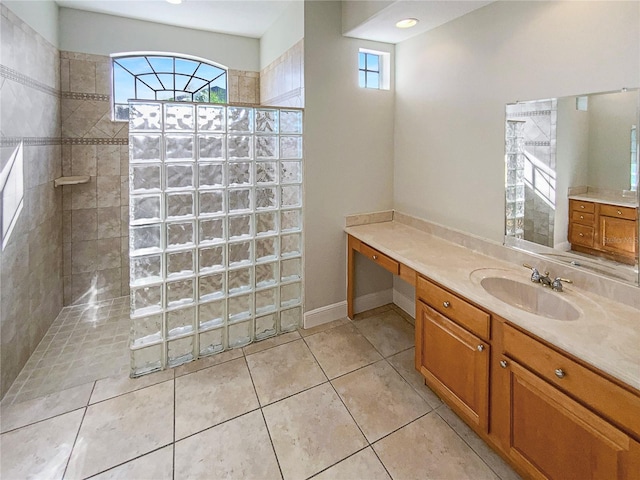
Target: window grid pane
<point>369,70</point>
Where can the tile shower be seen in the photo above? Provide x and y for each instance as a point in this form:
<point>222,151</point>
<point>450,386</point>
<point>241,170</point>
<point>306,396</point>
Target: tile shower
<point>215,228</point>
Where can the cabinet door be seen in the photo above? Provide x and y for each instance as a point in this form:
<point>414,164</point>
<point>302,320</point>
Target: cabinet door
<point>554,437</point>
<point>618,235</point>
<point>455,363</point>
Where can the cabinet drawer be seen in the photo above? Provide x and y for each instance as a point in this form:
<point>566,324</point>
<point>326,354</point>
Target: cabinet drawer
<point>583,218</point>
<point>454,307</point>
<point>614,402</point>
<point>581,235</point>
<point>380,258</point>
<point>618,212</point>
<point>581,206</point>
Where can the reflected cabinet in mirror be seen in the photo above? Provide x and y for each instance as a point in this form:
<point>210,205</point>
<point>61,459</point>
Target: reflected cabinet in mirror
<point>572,181</point>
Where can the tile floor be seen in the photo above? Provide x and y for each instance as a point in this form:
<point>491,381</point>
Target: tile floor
<point>340,401</point>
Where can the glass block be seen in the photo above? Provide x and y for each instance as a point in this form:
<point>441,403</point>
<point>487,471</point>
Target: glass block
<point>266,249</point>
<point>210,175</point>
<point>180,234</point>
<point>290,172</point>
<point>144,178</point>
<point>144,239</point>
<point>240,119</point>
<point>266,198</point>
<point>211,286</point>
<point>240,280</point>
<point>265,326</point>
<point>179,147</point>
<point>145,116</point>
<point>240,307</point>
<point>239,173</point>
<point>211,118</point>
<point>212,147</point>
<point>146,360</point>
<point>290,220</point>
<point>239,199</point>
<point>266,301</point>
<point>146,330</point>
<point>144,209</point>
<point>240,147</point>
<point>291,269</point>
<point>266,121</point>
<point>180,292</point>
<point>267,147</point>
<point>179,205</point>
<point>290,121</point>
<point>211,341</point>
<point>211,258</point>
<point>290,319</point>
<point>290,294</point>
<point>239,253</point>
<point>146,269</point>
<point>239,226</point>
<point>146,300</point>
<point>180,351</point>
<point>211,202</point>
<point>179,117</point>
<point>180,322</point>
<point>266,172</point>
<point>180,263</point>
<point>180,176</point>
<point>290,147</point>
<point>240,334</point>
<point>210,230</point>
<point>145,148</point>
<point>266,274</point>
<point>291,196</point>
<point>291,244</point>
<point>211,314</point>
<point>266,223</point>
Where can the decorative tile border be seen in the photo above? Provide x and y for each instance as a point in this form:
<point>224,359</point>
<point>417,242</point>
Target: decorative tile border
<point>44,141</point>
<point>530,113</point>
<point>95,141</point>
<point>86,96</point>
<point>539,143</point>
<point>14,75</point>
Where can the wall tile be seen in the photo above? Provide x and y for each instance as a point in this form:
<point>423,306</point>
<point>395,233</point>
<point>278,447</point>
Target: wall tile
<point>84,224</point>
<point>84,256</point>
<point>108,159</point>
<point>108,252</point>
<point>108,222</point>
<point>84,160</point>
<point>84,195</point>
<point>82,76</point>
<point>108,191</point>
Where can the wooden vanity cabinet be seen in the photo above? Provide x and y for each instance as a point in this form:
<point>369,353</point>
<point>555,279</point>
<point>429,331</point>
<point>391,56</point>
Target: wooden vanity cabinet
<point>619,230</point>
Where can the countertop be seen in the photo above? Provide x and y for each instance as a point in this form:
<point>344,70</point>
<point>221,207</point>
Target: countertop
<point>606,336</point>
<point>617,200</point>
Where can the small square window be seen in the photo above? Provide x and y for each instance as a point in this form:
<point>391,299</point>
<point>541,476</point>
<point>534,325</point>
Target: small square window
<point>369,70</point>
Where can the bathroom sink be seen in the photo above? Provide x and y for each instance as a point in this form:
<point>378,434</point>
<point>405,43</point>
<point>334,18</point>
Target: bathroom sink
<point>530,298</point>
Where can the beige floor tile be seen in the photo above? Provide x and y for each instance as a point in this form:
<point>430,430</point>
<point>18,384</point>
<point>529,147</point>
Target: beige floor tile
<point>156,465</point>
<point>388,332</point>
<point>305,332</point>
<point>429,449</point>
<point>311,431</point>
<point>213,395</point>
<point>270,342</point>
<point>363,465</point>
<point>379,399</point>
<point>491,458</point>
<point>404,363</point>
<point>341,350</point>
<point>123,428</point>
<point>404,314</point>
<point>283,371</point>
<point>118,385</point>
<point>40,450</point>
<point>237,449</point>
<point>31,411</point>
<point>207,362</point>
<point>373,311</point>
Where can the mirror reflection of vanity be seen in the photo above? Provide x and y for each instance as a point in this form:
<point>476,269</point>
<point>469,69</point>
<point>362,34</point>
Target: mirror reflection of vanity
<point>572,181</point>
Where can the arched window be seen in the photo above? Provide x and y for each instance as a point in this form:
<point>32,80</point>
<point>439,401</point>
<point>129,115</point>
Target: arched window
<point>162,76</point>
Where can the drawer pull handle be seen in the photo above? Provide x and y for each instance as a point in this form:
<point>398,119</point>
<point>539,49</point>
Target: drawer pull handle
<point>503,363</point>
<point>375,257</point>
<point>581,234</point>
<point>480,347</point>
<point>581,217</point>
<point>446,304</point>
<point>560,373</point>
<point>581,206</point>
<point>619,212</point>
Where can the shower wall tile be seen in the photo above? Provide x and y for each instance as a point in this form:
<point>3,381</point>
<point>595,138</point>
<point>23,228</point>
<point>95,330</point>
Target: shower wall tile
<point>244,87</point>
<point>31,268</point>
<point>282,81</point>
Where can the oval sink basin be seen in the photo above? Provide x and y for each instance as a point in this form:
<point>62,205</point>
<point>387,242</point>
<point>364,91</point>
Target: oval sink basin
<point>530,298</point>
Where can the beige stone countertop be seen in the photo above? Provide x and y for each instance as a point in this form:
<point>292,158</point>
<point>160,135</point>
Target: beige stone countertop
<point>606,334</point>
<point>617,200</point>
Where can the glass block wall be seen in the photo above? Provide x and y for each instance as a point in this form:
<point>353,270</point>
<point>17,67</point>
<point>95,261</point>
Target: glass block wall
<point>514,212</point>
<point>215,236</point>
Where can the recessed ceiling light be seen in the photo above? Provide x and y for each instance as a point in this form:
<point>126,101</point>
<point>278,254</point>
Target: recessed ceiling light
<point>175,2</point>
<point>407,23</point>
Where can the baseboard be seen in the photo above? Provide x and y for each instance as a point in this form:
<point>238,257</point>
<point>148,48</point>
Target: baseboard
<point>336,311</point>
<point>564,246</point>
<point>407,304</point>
<point>372,300</point>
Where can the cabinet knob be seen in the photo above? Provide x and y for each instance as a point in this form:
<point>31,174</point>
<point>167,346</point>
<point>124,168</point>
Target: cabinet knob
<point>581,217</point>
<point>503,363</point>
<point>581,206</point>
<point>619,212</point>
<point>480,347</point>
<point>581,234</point>
<point>560,373</point>
<point>446,304</point>
<point>375,257</point>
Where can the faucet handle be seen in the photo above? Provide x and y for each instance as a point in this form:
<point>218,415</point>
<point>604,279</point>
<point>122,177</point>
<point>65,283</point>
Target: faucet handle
<point>526,265</point>
<point>557,283</point>
<point>535,274</point>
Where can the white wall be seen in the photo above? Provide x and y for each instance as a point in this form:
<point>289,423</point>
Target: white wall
<point>41,15</point>
<point>348,154</point>
<point>452,85</point>
<point>283,34</point>
<point>358,12</point>
<point>101,34</point>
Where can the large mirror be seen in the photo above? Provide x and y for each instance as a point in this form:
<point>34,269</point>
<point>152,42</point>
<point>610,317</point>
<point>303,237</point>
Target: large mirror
<point>572,181</point>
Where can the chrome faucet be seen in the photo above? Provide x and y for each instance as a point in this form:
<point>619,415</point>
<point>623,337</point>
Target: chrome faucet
<point>556,286</point>
<point>535,274</point>
<point>545,280</point>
